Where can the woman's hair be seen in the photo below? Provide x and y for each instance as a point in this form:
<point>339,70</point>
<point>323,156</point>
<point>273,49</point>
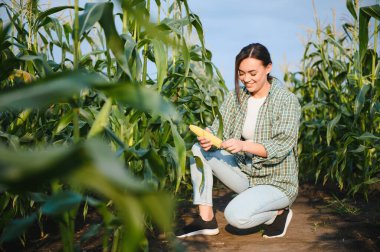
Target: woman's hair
<point>256,51</point>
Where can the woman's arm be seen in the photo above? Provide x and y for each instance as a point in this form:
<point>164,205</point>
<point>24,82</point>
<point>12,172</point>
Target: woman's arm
<point>284,137</point>
<point>234,146</point>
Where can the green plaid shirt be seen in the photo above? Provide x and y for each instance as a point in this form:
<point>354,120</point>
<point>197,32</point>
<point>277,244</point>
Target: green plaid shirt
<point>276,129</point>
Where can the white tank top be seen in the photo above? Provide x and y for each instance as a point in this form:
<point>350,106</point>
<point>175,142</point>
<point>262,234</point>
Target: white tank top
<point>254,105</point>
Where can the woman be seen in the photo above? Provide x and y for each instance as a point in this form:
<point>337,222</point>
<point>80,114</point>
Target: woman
<point>258,159</point>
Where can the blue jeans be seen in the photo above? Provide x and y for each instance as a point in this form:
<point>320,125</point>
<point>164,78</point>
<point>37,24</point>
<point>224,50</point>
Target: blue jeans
<point>254,205</point>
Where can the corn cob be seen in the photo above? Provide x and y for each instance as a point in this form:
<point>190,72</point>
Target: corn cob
<point>203,133</point>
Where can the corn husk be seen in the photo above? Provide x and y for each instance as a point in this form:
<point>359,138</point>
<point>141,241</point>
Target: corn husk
<point>203,133</point>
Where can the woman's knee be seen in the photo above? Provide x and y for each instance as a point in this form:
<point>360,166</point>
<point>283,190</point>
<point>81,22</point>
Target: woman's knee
<point>235,217</point>
<point>196,150</point>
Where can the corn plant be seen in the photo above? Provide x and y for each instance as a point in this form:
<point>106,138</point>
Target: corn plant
<point>96,123</point>
<point>339,88</point>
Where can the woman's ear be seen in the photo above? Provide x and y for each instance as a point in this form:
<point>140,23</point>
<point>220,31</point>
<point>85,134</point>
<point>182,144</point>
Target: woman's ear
<point>268,68</point>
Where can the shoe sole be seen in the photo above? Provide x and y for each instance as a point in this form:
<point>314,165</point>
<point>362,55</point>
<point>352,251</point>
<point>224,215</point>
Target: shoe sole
<point>290,216</point>
<point>201,232</point>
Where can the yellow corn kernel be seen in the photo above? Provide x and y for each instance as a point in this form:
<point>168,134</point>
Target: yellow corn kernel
<point>203,133</point>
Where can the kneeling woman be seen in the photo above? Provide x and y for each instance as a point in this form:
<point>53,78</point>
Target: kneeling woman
<point>258,159</point>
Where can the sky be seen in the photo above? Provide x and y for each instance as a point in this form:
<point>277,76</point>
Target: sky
<point>280,25</point>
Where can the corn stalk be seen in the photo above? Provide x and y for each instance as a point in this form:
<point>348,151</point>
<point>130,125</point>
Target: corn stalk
<point>339,139</point>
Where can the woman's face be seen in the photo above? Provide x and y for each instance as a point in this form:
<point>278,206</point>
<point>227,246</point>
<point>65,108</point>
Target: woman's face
<point>253,74</point>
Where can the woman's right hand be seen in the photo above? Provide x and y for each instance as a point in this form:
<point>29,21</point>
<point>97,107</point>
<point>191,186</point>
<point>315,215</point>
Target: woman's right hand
<point>205,143</point>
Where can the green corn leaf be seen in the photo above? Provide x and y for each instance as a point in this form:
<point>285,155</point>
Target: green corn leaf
<point>58,29</point>
<point>61,202</point>
<point>360,148</point>
<point>17,227</point>
<point>3,35</point>
<point>131,53</point>
<point>67,31</point>
<point>38,197</point>
<point>92,13</point>
<point>351,8</point>
<point>173,25</point>
<point>323,86</point>
<point>39,63</point>
<point>101,120</point>
<point>92,231</point>
<point>17,172</point>
<point>363,33</point>
<point>186,57</point>
<point>113,40</point>
<point>160,56</point>
<point>222,82</point>
<point>372,181</point>
<point>220,128</point>
<point>44,14</point>
<point>372,11</point>
<point>196,22</point>
<point>43,38</point>
<point>330,128</point>
<point>360,99</point>
<point>14,19</point>
<point>21,118</point>
<point>53,89</point>
<point>91,166</point>
<point>154,161</point>
<point>103,13</point>
<point>160,207</point>
<point>141,98</point>
<point>181,151</point>
<point>368,136</point>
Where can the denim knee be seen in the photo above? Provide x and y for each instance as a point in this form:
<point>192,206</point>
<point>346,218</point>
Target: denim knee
<point>235,217</point>
<point>196,150</point>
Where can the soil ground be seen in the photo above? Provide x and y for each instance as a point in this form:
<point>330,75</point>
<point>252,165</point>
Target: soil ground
<point>320,222</point>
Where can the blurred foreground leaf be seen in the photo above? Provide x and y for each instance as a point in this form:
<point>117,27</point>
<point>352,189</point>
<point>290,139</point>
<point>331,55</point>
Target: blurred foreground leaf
<point>91,166</point>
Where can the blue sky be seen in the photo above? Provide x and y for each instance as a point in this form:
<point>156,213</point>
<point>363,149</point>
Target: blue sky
<point>280,25</point>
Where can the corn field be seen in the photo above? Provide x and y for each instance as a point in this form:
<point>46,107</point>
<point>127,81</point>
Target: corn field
<point>339,90</point>
<point>94,114</point>
<point>96,101</point>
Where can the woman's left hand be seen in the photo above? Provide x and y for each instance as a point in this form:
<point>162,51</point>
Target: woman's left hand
<point>233,145</point>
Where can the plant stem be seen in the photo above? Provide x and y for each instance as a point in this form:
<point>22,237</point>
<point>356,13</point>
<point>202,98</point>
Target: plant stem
<point>13,28</point>
<point>135,35</point>
<point>145,51</point>
<point>29,16</point>
<point>373,72</point>
<point>375,38</point>
<point>76,34</point>
<point>67,236</point>
<point>125,22</point>
<point>76,65</point>
<point>174,49</point>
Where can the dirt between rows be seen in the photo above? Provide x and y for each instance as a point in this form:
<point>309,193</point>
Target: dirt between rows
<point>320,222</point>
